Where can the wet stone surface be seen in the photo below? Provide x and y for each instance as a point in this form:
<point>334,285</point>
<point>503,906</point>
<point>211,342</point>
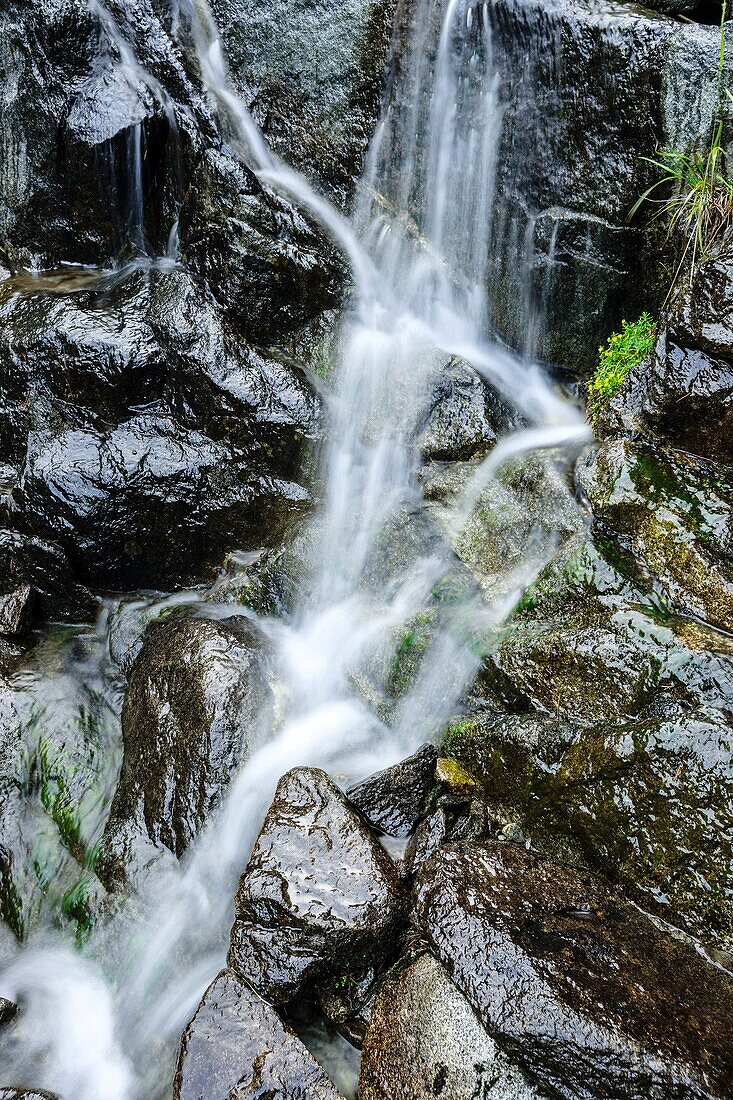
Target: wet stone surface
<point>319,895</point>
<point>236,1047</point>
<point>394,800</point>
<point>573,981</point>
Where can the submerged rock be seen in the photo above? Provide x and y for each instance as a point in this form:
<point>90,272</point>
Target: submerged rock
<point>424,1040</point>
<point>236,1046</point>
<point>197,696</point>
<point>319,895</point>
<point>394,800</point>
<point>574,982</point>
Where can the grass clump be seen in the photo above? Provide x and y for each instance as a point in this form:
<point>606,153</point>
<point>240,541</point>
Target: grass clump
<point>623,351</point>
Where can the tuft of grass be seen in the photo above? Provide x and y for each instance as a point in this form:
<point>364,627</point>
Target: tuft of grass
<point>623,351</point>
<point>698,204</point>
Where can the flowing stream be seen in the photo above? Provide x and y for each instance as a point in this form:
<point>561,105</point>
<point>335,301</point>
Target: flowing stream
<point>103,1022</point>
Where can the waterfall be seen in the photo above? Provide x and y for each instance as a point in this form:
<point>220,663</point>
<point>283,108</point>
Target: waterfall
<point>418,247</point>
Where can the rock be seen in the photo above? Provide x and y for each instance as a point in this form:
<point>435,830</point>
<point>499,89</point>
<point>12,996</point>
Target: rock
<point>451,775</point>
<point>684,392</point>
<point>394,800</point>
<point>313,74</point>
<point>319,895</point>
<point>28,563</point>
<point>674,514</point>
<point>563,199</point>
<point>151,497</point>
<point>236,1046</point>
<point>197,695</point>
<point>573,982</point>
<point>647,803</point>
<point>465,418</point>
<point>8,1011</point>
<point>12,1093</point>
<point>15,610</point>
<point>424,1041</point>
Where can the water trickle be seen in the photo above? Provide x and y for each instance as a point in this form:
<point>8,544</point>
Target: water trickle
<point>418,246</point>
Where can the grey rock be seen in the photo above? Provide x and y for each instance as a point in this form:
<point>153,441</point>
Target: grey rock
<point>12,1093</point>
<point>8,1010</point>
<point>573,982</point>
<point>466,416</point>
<point>424,1040</point>
<point>394,800</point>
<point>319,894</point>
<point>236,1047</point>
<point>15,610</point>
<point>197,694</point>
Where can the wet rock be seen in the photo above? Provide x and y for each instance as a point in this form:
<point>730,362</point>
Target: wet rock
<point>646,803</point>
<point>8,1010</point>
<point>394,800</point>
<point>573,982</point>
<point>236,1046</point>
<point>11,1093</point>
<point>197,694</point>
<point>15,610</point>
<point>563,198</point>
<point>314,77</point>
<point>147,497</point>
<point>424,1040</point>
<point>673,513</point>
<point>43,570</point>
<point>465,418</point>
<point>684,391</point>
<point>319,894</point>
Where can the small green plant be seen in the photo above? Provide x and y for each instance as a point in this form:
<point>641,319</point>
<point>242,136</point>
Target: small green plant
<point>698,205</point>
<point>623,351</point>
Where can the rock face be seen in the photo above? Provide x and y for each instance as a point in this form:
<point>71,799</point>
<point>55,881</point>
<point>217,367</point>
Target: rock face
<point>319,895</point>
<point>197,694</point>
<point>424,1040</point>
<point>567,176</point>
<point>576,983</point>
<point>394,800</point>
<point>684,392</point>
<point>145,497</point>
<point>237,1047</point>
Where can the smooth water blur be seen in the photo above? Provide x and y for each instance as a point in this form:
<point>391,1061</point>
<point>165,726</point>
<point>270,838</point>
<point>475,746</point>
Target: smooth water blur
<point>418,247</point>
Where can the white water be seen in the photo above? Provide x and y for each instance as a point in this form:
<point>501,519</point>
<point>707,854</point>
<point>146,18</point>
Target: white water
<point>106,1026</point>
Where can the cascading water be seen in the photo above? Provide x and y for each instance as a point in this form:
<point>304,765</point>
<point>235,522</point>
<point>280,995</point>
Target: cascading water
<point>418,247</point>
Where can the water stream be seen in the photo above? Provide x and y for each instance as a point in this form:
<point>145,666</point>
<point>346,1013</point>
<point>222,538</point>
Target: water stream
<point>102,1023</point>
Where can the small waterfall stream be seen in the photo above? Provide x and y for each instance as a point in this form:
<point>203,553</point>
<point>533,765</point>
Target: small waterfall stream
<point>103,1023</point>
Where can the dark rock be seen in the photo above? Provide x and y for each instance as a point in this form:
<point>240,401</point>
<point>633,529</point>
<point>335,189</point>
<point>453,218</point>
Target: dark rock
<point>424,1040</point>
<point>573,982</point>
<point>12,1093</point>
<point>465,418</point>
<point>394,800</point>
<point>147,497</point>
<point>684,391</point>
<point>319,894</point>
<point>196,695</point>
<point>8,1011</point>
<point>32,563</point>
<point>236,1046</point>
<point>313,75</point>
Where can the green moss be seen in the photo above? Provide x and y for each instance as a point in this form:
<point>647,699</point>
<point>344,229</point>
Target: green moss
<point>623,351</point>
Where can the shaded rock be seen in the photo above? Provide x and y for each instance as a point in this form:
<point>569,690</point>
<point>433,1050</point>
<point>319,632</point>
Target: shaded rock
<point>573,982</point>
<point>674,515</point>
<point>319,894</point>
<point>313,75</point>
<point>684,391</point>
<point>646,803</point>
<point>465,418</point>
<point>15,610</point>
<point>8,1010</point>
<point>12,1093</point>
<point>197,695</point>
<point>424,1040</point>
<point>394,800</point>
<point>236,1046</point>
<point>32,563</point>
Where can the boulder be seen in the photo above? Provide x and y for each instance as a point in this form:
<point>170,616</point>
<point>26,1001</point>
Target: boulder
<point>394,800</point>
<point>572,981</point>
<point>424,1040</point>
<point>197,695</point>
<point>237,1047</point>
<point>319,895</point>
<point>38,575</point>
<point>465,417</point>
<point>8,1010</point>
